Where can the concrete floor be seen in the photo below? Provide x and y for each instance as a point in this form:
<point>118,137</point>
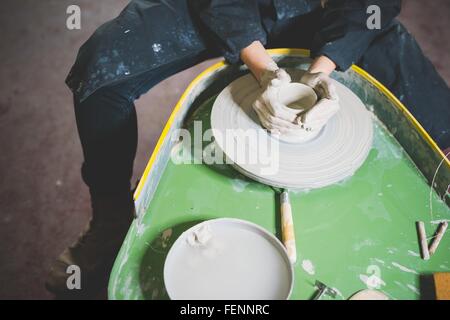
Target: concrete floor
<point>43,202</point>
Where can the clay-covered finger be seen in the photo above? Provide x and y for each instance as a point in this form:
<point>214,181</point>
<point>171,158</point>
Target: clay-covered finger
<point>322,112</point>
<point>281,111</point>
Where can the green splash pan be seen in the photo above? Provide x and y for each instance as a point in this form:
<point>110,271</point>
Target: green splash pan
<point>353,235</point>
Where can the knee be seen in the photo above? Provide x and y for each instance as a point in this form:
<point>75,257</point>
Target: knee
<point>389,53</point>
<point>99,62</point>
<point>105,115</point>
<point>107,126</point>
<point>399,39</point>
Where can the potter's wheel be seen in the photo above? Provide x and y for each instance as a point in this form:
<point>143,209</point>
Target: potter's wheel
<point>333,155</point>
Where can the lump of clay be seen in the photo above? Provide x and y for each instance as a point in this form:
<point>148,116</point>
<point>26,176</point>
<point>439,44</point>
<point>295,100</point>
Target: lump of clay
<point>199,236</point>
<point>297,98</point>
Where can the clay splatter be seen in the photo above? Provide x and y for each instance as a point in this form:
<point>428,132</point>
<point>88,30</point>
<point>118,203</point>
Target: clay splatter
<point>362,244</point>
<point>308,266</point>
<point>165,237</point>
<point>156,47</point>
<point>155,293</point>
<point>403,268</point>
<point>439,221</point>
<point>239,185</point>
<point>338,293</point>
<point>392,250</point>
<point>140,229</point>
<point>373,282</point>
<point>413,288</point>
<point>413,253</point>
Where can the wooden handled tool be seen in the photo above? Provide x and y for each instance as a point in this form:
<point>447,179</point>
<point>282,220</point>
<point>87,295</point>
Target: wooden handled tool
<point>287,227</point>
<point>429,251</point>
<point>423,240</point>
<point>439,234</point>
<point>442,285</point>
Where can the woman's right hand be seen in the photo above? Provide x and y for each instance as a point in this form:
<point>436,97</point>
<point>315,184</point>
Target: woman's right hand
<point>272,114</point>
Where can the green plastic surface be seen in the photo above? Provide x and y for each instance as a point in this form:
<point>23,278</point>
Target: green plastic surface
<point>359,231</point>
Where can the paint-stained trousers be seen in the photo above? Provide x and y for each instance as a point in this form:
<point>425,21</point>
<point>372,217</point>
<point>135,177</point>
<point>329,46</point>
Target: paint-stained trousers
<point>107,122</point>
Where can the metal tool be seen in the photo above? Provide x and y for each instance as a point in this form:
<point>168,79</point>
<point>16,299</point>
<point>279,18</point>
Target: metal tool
<point>323,289</point>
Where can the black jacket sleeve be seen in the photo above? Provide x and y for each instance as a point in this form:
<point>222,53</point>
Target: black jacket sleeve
<point>343,35</point>
<point>231,24</point>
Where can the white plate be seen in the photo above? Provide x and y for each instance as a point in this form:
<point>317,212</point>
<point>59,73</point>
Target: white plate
<point>240,261</point>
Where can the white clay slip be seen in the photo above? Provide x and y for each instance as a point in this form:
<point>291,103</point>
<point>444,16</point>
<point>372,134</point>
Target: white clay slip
<point>227,259</point>
<point>334,154</point>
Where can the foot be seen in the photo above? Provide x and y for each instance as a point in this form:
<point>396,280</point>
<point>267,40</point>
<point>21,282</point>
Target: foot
<point>94,252</point>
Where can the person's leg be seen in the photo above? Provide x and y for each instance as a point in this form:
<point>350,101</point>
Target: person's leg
<point>107,126</point>
<point>106,123</point>
<point>396,60</point>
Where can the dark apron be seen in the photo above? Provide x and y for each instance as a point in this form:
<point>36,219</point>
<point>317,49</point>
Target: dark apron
<point>146,35</point>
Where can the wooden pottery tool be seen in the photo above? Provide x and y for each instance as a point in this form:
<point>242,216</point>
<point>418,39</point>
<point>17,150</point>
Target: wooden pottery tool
<point>426,250</point>
<point>437,239</point>
<point>442,285</point>
<point>287,224</point>
<point>423,240</point>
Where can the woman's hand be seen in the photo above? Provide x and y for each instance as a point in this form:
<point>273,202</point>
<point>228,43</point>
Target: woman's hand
<point>272,114</point>
<point>321,83</point>
<point>270,111</point>
<point>257,59</point>
<point>317,77</point>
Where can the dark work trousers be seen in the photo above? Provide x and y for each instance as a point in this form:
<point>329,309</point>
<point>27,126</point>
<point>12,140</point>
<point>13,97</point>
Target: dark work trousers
<point>107,121</point>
